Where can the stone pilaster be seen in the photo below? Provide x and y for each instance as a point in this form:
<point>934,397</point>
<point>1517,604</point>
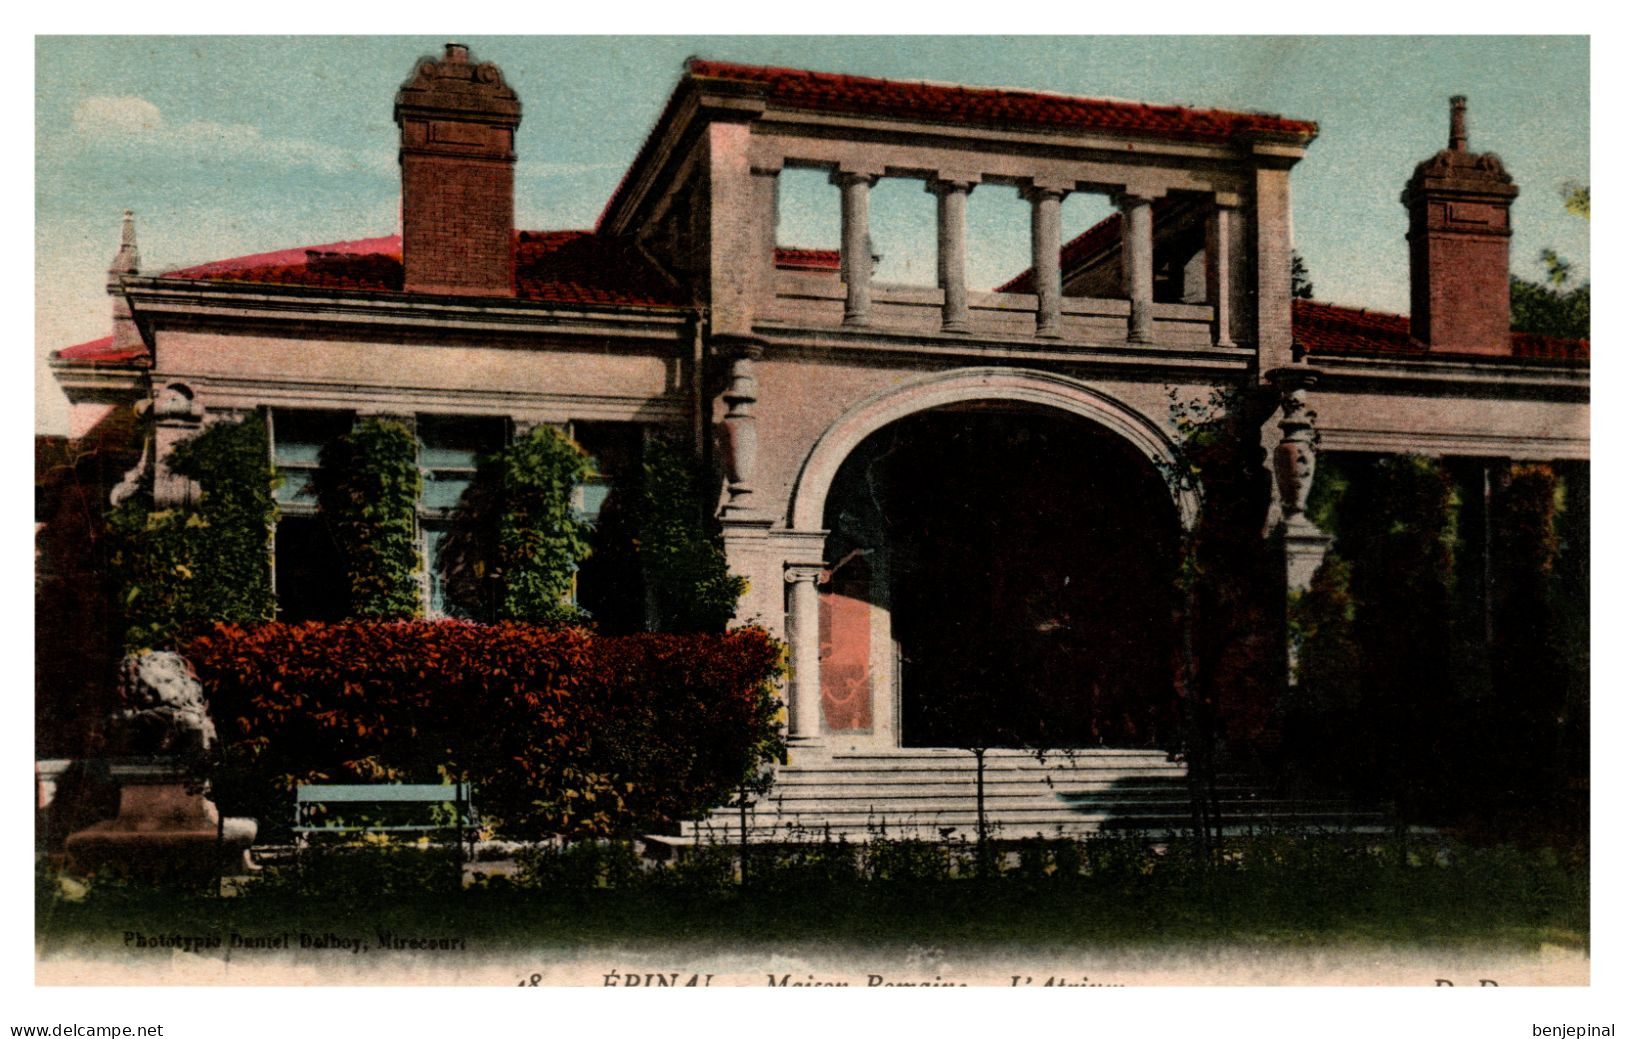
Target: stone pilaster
<point>1220,228</point>
<point>1272,255</point>
<point>177,416</point>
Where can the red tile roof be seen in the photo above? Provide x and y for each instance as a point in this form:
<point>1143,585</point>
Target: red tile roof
<point>1006,109</point>
<point>792,259</point>
<point>1328,330</point>
<point>102,351</point>
<point>258,264</point>
<point>551,266</point>
<point>947,103</point>
<point>585,267</point>
<point>1096,239</point>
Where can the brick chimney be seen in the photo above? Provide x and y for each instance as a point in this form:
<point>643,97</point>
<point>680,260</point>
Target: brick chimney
<point>1461,235</point>
<point>457,121</point>
<point>128,261</point>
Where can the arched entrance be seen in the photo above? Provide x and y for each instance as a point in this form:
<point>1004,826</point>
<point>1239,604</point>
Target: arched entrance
<point>998,573</point>
<point>843,626</point>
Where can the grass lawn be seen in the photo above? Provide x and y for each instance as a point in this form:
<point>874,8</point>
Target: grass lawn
<point>1301,893</point>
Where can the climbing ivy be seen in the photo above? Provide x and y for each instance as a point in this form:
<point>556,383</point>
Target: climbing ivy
<point>683,563</point>
<point>540,540</point>
<point>367,490</point>
<point>206,561</point>
<point>1378,687</point>
<point>516,540</point>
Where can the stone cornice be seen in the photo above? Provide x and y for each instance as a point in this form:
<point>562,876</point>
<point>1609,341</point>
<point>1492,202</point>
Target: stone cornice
<point>882,346</point>
<point>91,382</point>
<point>170,302</point>
<point>1466,444</point>
<point>305,392</point>
<point>1453,378</point>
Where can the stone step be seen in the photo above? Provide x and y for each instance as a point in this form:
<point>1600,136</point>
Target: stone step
<point>1170,818</point>
<point>866,785</point>
<point>791,832</point>
<point>925,791</point>
<point>847,811</point>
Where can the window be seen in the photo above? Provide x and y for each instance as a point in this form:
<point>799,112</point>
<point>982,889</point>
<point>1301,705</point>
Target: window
<point>609,584</point>
<point>310,579</point>
<point>309,575</point>
<point>449,450</point>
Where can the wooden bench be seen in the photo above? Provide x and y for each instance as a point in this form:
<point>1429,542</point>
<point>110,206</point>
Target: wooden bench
<point>309,798</point>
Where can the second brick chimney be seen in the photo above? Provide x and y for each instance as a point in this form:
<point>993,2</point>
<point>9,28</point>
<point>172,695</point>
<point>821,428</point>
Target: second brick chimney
<point>1460,236</point>
<point>457,121</point>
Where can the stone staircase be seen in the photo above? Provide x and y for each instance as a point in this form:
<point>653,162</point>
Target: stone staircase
<point>931,793</point>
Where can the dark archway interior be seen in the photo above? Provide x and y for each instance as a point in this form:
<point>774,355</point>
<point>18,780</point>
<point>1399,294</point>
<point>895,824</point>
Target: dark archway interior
<point>1030,559</point>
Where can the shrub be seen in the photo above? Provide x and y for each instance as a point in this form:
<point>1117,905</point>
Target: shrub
<point>578,866</point>
<point>562,731</point>
<point>368,872</point>
<point>907,860</point>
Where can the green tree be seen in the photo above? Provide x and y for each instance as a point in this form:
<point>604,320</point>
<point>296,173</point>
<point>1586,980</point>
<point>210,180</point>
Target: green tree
<point>1302,287</point>
<point>1556,307</point>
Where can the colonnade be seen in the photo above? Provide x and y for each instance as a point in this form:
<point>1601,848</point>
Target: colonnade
<point>952,191</point>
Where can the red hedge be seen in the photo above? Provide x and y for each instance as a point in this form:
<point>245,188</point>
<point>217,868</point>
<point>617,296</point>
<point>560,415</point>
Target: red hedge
<point>560,729</point>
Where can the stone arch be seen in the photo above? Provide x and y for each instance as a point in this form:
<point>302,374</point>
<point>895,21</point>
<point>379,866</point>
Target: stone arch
<point>973,384</point>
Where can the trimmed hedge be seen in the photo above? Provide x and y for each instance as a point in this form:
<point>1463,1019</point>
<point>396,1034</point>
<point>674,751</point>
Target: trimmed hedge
<point>562,731</point>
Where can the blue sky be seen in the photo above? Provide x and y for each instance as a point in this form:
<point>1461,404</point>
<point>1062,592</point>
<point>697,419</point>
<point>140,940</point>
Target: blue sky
<point>231,145</point>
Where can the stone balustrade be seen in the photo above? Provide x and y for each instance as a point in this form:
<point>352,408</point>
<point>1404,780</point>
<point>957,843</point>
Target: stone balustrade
<point>814,298</point>
<point>851,297</point>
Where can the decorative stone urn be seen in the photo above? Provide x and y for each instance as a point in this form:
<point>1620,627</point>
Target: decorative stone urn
<point>159,739</point>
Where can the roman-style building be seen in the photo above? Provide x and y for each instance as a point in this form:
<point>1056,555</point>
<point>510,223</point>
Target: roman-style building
<point>910,476</point>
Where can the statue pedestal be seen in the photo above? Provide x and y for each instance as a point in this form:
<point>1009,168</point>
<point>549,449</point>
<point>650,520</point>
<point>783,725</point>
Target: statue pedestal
<point>163,830</point>
<point>1306,546</point>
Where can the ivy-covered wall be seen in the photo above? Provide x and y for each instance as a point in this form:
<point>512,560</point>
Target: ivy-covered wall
<point>516,542</point>
<point>367,489</point>
<point>517,545</point>
<point>1439,664</point>
<point>679,551</point>
<point>210,561</point>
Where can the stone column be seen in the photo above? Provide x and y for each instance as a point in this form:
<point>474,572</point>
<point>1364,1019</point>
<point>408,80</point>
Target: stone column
<point>806,688</point>
<point>737,434</point>
<point>855,248</point>
<point>952,194</point>
<point>1137,269</point>
<point>1046,238</point>
<point>1219,230</point>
